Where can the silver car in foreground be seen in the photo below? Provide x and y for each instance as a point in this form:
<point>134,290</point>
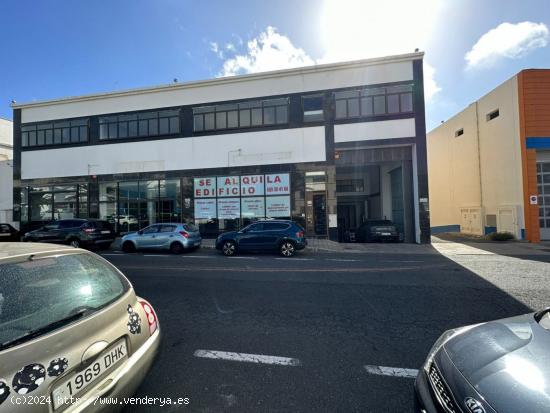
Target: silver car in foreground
<point>73,333</point>
<point>172,237</point>
<point>501,366</point>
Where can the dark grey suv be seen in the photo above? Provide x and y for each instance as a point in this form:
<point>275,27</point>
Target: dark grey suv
<point>85,233</point>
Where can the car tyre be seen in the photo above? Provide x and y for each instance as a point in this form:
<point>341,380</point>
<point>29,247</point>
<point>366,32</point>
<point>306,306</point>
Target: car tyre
<point>176,248</point>
<point>128,247</point>
<point>229,248</point>
<point>287,249</point>
<point>75,243</point>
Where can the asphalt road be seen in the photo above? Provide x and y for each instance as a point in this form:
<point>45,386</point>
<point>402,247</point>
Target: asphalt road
<point>331,314</point>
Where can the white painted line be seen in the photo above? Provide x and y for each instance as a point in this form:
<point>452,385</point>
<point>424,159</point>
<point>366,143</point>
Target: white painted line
<point>340,260</point>
<point>295,259</point>
<point>197,256</point>
<point>108,255</point>
<point>155,255</point>
<point>247,358</point>
<point>392,371</point>
<point>243,258</point>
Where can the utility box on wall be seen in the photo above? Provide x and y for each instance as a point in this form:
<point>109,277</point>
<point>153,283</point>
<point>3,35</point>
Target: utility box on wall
<point>471,220</point>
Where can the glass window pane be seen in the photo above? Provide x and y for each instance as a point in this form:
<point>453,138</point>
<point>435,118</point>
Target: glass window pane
<point>113,134</point>
<point>341,110</point>
<point>393,103</point>
<point>147,115</point>
<point>379,105</point>
<point>74,134</point>
<point>203,109</point>
<point>353,108</point>
<point>142,128</point>
<point>406,102</point>
<point>198,123</point>
<point>546,167</point>
<point>25,138</point>
<point>233,119</point>
<point>169,113</point>
<point>123,129</point>
<point>153,127</point>
<point>209,121</point>
<point>57,136</point>
<point>40,137</point>
<point>49,137</point>
<point>221,120</point>
<point>164,126</point>
<point>123,118</point>
<point>107,191</point>
<point>346,94</point>
<point>244,118</point>
<point>174,126</point>
<point>132,128</point>
<point>276,102</point>
<point>282,114</point>
<point>256,117</point>
<point>366,106</point>
<point>103,131</point>
<point>269,115</point>
<point>32,138</point>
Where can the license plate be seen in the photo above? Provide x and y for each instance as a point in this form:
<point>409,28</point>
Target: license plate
<point>386,233</point>
<point>105,232</point>
<point>78,382</point>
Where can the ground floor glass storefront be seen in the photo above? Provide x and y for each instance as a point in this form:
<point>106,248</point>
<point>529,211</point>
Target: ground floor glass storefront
<point>213,202</point>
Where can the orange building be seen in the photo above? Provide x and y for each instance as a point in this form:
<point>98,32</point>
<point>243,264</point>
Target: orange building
<point>489,165</point>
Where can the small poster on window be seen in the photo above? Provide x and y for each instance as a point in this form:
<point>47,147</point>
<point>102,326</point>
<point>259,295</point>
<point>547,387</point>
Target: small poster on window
<point>205,208</point>
<point>277,184</point>
<point>229,208</point>
<point>253,207</point>
<point>277,206</point>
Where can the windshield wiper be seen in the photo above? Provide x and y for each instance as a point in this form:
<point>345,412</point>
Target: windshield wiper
<point>45,329</point>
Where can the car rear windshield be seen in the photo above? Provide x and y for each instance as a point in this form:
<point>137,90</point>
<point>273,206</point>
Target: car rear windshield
<point>36,293</point>
<point>190,227</point>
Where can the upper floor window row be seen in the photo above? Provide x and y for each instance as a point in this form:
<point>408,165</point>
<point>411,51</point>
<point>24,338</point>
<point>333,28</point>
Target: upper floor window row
<point>378,101</point>
<point>54,133</point>
<point>165,122</point>
<point>241,115</point>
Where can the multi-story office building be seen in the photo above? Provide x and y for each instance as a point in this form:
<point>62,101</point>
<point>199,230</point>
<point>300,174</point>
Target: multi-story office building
<point>489,165</point>
<point>328,146</point>
<point>6,171</point>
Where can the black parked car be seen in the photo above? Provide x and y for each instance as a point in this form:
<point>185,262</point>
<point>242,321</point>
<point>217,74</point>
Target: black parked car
<point>500,366</point>
<point>85,233</point>
<point>377,230</point>
<point>8,233</point>
<point>286,237</point>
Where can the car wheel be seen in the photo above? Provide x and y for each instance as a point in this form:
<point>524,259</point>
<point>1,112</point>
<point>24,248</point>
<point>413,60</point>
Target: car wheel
<point>75,243</point>
<point>176,248</point>
<point>128,247</point>
<point>229,248</point>
<point>287,249</point>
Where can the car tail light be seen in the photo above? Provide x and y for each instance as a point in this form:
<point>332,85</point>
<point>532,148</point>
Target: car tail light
<point>185,234</point>
<point>300,234</point>
<point>151,316</point>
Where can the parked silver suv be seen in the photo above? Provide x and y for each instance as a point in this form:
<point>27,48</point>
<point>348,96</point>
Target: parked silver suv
<point>168,236</point>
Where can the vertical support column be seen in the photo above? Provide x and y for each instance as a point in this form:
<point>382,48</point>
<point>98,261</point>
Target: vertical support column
<point>532,226</point>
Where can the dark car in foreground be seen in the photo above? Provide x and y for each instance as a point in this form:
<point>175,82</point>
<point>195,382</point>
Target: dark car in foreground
<point>377,230</point>
<point>8,233</point>
<point>72,330</point>
<point>85,233</point>
<point>501,366</point>
<point>283,236</point>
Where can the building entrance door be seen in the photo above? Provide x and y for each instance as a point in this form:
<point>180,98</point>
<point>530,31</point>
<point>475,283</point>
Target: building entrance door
<point>543,181</point>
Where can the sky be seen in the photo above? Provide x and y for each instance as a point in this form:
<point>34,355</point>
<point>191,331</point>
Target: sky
<point>61,48</point>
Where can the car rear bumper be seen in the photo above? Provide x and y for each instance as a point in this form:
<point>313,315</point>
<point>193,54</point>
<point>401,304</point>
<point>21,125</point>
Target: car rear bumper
<point>112,393</point>
<point>300,245</point>
<point>189,243</point>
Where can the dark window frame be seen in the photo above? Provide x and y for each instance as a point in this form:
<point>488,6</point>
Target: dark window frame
<point>200,113</point>
<point>459,132</point>
<point>138,119</point>
<point>365,94</point>
<point>78,131</point>
<point>493,115</point>
<point>322,115</point>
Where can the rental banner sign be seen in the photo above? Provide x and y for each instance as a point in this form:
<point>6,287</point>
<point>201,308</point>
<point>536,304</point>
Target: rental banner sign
<point>252,185</point>
<point>276,184</point>
<point>205,187</point>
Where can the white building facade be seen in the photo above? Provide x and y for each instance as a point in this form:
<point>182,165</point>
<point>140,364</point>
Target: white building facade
<point>329,146</point>
<point>6,171</point>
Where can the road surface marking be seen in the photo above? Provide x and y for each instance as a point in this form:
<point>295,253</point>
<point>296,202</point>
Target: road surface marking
<point>294,259</point>
<point>247,358</point>
<point>197,256</point>
<point>243,258</point>
<point>109,254</point>
<point>341,259</point>
<point>392,371</point>
<point>155,255</point>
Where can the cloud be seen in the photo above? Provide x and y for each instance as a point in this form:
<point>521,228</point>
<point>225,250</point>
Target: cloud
<point>430,85</point>
<point>507,40</point>
<point>270,50</point>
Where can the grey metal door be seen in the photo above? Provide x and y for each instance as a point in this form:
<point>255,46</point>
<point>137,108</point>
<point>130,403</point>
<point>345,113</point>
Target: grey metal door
<point>543,183</point>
